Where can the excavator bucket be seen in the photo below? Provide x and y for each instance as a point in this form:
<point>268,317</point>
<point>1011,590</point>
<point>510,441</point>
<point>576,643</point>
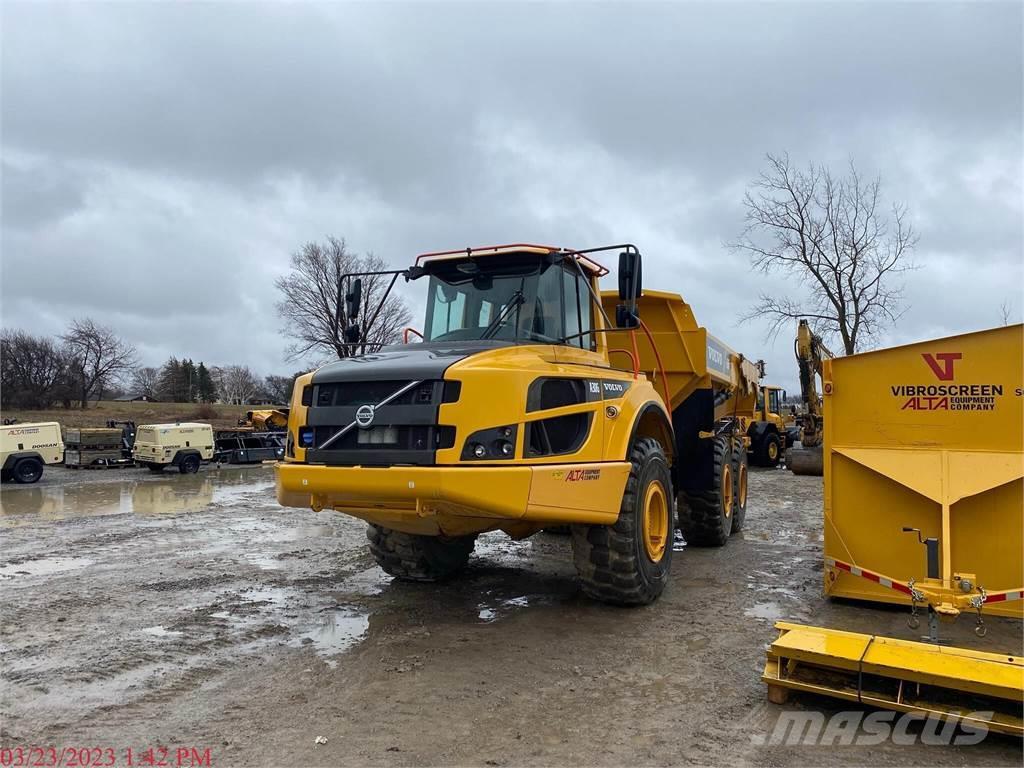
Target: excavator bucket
<point>974,687</point>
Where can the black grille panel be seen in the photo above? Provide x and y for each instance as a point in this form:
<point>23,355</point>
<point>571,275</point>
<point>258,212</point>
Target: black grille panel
<point>356,393</point>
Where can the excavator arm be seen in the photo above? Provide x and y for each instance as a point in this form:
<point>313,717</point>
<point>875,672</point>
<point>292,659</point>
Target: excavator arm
<point>810,353</point>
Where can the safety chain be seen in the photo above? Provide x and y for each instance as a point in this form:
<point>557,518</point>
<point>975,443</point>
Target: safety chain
<point>977,601</point>
<point>915,597</point>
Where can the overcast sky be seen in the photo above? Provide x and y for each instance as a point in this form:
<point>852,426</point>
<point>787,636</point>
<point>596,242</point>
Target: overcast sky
<point>160,161</point>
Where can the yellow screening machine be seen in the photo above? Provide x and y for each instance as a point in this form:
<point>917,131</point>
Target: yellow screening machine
<point>924,507</point>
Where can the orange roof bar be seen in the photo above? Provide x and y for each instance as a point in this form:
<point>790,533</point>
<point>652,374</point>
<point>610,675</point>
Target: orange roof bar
<point>596,266</point>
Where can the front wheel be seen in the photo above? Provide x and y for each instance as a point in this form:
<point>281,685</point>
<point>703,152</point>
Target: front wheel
<point>769,450</point>
<point>410,557</point>
<point>28,471</point>
<point>628,563</point>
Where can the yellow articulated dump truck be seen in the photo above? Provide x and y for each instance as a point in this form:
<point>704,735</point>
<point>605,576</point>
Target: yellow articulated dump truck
<point>924,507</point>
<point>531,401</point>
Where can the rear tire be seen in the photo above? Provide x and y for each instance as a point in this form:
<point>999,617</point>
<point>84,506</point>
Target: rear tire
<point>628,563</point>
<point>27,471</point>
<point>409,557</point>
<point>705,517</point>
<point>189,465</point>
<point>739,509</point>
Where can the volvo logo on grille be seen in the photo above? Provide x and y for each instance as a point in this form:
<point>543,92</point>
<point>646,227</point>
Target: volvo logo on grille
<point>364,416</point>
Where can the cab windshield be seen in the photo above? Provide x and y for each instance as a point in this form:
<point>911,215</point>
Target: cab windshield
<point>519,298</point>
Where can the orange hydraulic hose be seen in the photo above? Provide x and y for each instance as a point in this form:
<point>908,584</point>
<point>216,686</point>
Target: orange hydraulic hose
<point>661,367</point>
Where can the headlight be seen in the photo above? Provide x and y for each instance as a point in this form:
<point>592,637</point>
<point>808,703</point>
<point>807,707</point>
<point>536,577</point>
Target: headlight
<point>490,444</point>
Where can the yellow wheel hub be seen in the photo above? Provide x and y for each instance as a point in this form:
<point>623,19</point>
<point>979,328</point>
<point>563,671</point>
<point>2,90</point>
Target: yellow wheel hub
<point>655,521</point>
<point>773,450</point>
<point>727,491</point>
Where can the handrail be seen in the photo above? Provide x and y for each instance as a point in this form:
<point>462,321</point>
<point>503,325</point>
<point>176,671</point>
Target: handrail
<point>406,331</point>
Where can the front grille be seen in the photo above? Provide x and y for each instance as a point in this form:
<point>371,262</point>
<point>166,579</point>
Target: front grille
<point>404,430</point>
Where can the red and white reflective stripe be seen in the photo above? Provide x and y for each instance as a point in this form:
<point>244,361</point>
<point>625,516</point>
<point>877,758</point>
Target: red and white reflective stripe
<point>1003,597</point>
<point>878,578</point>
<point>990,597</point>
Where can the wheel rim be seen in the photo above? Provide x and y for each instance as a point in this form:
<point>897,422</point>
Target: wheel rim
<point>655,521</point>
<point>727,491</point>
<point>773,450</point>
<point>743,485</point>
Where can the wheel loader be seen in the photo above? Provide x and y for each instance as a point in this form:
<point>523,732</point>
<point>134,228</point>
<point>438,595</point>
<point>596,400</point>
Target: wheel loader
<point>532,401</point>
<point>770,434</point>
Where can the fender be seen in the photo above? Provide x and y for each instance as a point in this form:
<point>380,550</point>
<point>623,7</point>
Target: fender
<point>759,429</point>
<point>14,458</point>
<point>651,420</point>
<point>183,453</point>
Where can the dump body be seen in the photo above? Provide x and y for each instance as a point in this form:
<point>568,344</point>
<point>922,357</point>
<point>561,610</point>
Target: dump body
<point>927,436</point>
<point>691,357</point>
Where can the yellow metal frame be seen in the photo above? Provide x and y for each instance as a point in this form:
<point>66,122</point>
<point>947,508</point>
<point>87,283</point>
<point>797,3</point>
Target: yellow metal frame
<point>901,675</point>
<point>901,451</point>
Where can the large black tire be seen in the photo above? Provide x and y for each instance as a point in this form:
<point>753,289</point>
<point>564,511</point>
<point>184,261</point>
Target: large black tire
<point>739,494</point>
<point>705,517</point>
<point>628,563</point>
<point>27,471</point>
<point>418,558</point>
<point>189,465</point>
<point>769,450</point>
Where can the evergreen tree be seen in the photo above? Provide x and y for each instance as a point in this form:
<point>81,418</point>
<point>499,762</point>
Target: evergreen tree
<point>205,388</point>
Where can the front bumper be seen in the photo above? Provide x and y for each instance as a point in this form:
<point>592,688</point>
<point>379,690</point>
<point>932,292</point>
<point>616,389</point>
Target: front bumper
<point>455,500</point>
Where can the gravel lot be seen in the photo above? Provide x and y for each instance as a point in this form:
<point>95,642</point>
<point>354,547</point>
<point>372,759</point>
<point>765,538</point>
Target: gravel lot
<point>193,612</point>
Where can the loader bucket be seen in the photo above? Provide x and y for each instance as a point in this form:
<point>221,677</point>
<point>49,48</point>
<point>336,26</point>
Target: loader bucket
<point>928,437</point>
<point>981,689</point>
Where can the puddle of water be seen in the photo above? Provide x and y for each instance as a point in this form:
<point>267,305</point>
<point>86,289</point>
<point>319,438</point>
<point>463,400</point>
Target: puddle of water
<point>45,566</point>
<point>339,631</point>
<point>367,583</point>
<point>159,631</point>
<point>764,611</point>
<point>264,562</point>
<point>491,612</point>
<point>135,492</point>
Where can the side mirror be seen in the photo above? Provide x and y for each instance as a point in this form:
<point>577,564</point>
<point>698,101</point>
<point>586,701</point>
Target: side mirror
<point>353,333</point>
<point>630,276</point>
<point>354,298</point>
<point>630,288</point>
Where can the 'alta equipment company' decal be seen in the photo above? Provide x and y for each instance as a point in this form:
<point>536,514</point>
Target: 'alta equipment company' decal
<point>952,396</point>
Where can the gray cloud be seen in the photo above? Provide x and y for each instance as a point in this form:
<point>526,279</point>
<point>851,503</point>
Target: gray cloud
<point>160,161</point>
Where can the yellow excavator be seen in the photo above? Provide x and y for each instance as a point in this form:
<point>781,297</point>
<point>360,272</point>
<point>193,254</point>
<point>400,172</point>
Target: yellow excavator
<point>811,353</point>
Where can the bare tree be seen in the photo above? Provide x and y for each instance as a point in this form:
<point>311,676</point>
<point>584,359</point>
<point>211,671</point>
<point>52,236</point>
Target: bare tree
<point>98,358</point>
<point>1005,313</point>
<point>313,299</point>
<point>33,371</point>
<point>834,238</point>
<point>236,384</point>
<point>278,388</point>
<point>145,381</point>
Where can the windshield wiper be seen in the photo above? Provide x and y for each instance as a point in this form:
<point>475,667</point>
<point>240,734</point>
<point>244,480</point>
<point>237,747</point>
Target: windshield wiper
<point>514,302</point>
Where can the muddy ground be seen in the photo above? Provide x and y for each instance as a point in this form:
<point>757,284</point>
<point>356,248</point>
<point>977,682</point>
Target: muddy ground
<point>191,611</point>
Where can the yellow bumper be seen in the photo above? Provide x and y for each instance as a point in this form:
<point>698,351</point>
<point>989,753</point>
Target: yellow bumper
<point>456,500</point>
